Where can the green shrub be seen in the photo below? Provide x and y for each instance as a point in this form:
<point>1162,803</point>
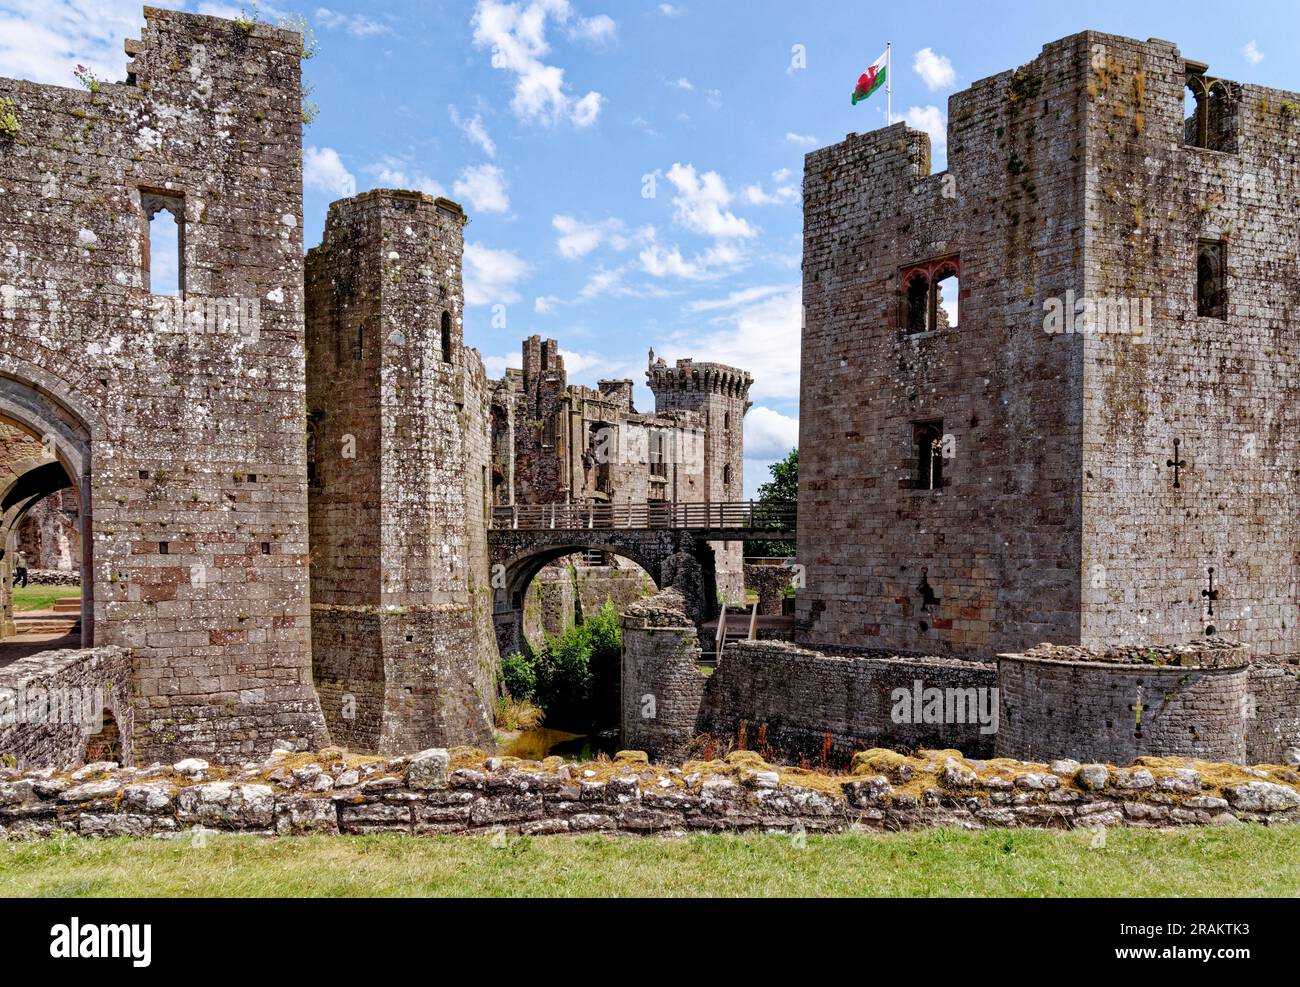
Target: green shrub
<point>518,677</point>
<point>574,678</point>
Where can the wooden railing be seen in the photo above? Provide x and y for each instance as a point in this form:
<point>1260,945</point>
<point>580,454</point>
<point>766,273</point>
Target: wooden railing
<point>648,515</point>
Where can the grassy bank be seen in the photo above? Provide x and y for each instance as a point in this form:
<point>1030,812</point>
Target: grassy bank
<point>32,597</point>
<point>1220,861</point>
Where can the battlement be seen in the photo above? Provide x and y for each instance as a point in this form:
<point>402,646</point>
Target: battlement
<point>698,378</point>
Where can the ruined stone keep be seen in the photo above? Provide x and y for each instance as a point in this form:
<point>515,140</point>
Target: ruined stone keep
<point>1102,447</point>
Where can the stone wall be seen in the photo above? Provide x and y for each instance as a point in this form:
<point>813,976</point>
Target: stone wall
<point>403,647</point>
<point>1273,710</point>
<point>1115,712</point>
<point>662,686</point>
<point>558,594</point>
<point>53,703</point>
<point>1227,387</point>
<point>796,704</point>
<point>435,792</point>
<point>819,707</point>
<point>769,581</point>
<point>179,422</point>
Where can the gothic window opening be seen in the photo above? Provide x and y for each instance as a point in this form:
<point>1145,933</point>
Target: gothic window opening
<point>726,474</point>
<point>446,337</point>
<point>927,440</point>
<point>931,295</point>
<point>1210,108</point>
<point>164,253</point>
<point>1211,279</point>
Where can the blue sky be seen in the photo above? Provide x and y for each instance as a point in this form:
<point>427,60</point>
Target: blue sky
<point>632,169</point>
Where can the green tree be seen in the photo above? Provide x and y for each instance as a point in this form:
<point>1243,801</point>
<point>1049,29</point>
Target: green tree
<point>783,488</point>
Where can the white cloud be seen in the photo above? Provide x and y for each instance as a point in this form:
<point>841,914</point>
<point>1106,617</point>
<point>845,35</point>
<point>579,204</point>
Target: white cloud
<point>661,262</point>
<point>492,276</point>
<point>599,30</point>
<point>587,109</point>
<point>743,296</point>
<point>357,25</point>
<point>390,172</point>
<point>700,204</point>
<point>783,192</point>
<point>1250,51</point>
<point>935,70</point>
<point>671,10</point>
<point>474,129</point>
<point>578,238</point>
<point>323,170</point>
<point>485,188</point>
<point>931,119</point>
<point>803,140</point>
<point>769,434</point>
<point>682,83</point>
<point>641,123</point>
<point>44,41</point>
<point>516,35</point>
<point>761,336</point>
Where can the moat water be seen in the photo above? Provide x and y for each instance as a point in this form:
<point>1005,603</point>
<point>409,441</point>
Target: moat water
<point>540,742</point>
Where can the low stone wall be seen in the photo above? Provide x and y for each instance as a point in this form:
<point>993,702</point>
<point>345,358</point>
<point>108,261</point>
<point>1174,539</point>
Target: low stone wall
<point>1116,711</point>
<point>812,706</point>
<point>770,582</point>
<point>1273,714</point>
<point>464,791</point>
<point>53,704</point>
<point>795,704</point>
<point>54,577</point>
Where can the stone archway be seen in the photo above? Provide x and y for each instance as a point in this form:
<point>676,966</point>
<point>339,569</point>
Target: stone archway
<point>48,449</point>
<point>671,558</point>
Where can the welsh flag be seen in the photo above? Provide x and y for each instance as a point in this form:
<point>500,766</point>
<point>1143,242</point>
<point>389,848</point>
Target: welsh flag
<point>871,80</point>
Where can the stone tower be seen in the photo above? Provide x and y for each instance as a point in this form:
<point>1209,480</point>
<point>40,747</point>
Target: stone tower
<point>403,647</point>
<point>1107,405</point>
<point>721,395</point>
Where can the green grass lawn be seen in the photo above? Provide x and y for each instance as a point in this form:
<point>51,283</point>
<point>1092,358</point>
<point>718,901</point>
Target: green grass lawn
<point>1216,861</point>
<point>41,597</point>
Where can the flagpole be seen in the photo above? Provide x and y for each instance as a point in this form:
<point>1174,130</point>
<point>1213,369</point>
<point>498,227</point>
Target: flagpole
<point>889,84</point>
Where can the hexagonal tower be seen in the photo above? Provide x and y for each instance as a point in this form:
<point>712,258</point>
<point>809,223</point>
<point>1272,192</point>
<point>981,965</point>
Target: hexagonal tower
<point>403,649</point>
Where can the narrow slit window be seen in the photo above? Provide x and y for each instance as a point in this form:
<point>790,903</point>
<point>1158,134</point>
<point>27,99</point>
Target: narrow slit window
<point>446,337</point>
<point>1211,279</point>
<point>726,474</point>
<point>164,253</point>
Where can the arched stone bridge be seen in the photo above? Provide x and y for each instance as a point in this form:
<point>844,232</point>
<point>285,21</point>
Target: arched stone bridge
<point>670,541</point>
